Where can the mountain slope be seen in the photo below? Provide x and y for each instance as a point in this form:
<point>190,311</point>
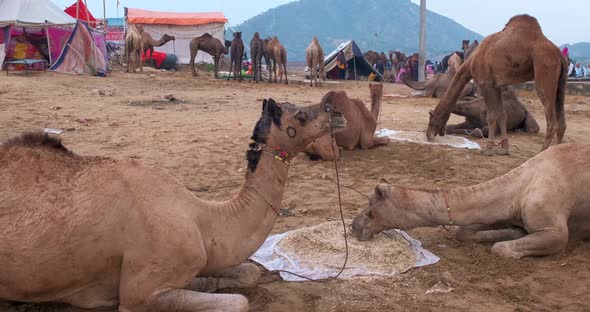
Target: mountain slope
<point>579,51</point>
<point>396,23</point>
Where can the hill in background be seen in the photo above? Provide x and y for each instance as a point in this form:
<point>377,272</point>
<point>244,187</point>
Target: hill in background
<point>396,23</point>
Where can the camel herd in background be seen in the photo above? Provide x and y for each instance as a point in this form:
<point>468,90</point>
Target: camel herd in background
<point>130,236</point>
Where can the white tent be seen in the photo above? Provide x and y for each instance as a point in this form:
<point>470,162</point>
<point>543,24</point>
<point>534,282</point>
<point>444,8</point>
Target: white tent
<point>32,13</point>
<point>183,26</point>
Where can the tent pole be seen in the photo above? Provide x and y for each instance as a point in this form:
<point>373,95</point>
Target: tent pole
<point>78,9</point>
<point>104,14</point>
<point>87,13</point>
<point>422,57</point>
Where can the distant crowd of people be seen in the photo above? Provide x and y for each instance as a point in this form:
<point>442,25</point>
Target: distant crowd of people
<point>575,69</point>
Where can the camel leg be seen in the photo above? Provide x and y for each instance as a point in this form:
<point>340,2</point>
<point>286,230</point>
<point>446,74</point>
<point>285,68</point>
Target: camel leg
<point>542,243</point>
<point>488,236</point>
<point>274,69</point>
<point>216,66</point>
<point>192,63</point>
<point>285,72</point>
<point>370,141</point>
<point>231,66</point>
<point>128,60</point>
<point>139,59</point>
<point>503,117</point>
<point>493,100</point>
<point>245,275</point>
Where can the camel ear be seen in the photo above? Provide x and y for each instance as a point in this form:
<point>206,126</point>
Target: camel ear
<point>264,106</point>
<point>381,190</point>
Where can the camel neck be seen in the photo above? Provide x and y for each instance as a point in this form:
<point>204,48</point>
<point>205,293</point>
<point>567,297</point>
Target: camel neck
<point>376,98</point>
<point>485,203</point>
<point>248,218</point>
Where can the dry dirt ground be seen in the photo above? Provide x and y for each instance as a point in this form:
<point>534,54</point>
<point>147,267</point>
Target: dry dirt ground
<point>203,140</point>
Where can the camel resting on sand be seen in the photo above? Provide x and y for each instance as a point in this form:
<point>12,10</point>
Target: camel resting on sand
<point>475,113</point>
<point>314,56</point>
<point>518,53</point>
<point>530,211</point>
<point>360,124</point>
<point>96,232</point>
<point>437,85</point>
<point>207,44</point>
<point>134,47</point>
<point>149,43</point>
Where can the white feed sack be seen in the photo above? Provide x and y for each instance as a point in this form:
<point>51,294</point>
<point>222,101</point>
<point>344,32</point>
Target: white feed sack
<point>420,137</point>
<point>319,252</point>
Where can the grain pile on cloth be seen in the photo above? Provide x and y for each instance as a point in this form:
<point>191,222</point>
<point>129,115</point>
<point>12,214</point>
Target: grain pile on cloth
<point>319,252</point>
<point>420,137</point>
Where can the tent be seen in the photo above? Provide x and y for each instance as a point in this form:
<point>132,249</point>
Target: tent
<point>183,26</point>
<point>355,58</point>
<point>83,13</point>
<point>38,29</point>
<point>81,54</point>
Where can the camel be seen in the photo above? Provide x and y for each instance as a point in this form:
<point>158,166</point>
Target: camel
<point>438,85</point>
<point>208,44</point>
<point>519,211</point>
<point>256,53</point>
<point>474,111</point>
<point>266,56</point>
<point>134,47</point>
<point>445,61</point>
<point>237,53</point>
<point>518,53</point>
<point>97,232</point>
<point>149,43</point>
<point>314,56</point>
<point>360,125</point>
<point>278,56</point>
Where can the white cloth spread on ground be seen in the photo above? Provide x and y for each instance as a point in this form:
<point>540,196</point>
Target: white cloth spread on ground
<point>273,258</point>
<point>420,137</point>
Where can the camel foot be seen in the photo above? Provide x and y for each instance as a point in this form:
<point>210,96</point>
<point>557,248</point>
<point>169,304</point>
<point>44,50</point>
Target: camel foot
<point>189,301</point>
<point>489,150</point>
<point>245,275</point>
<point>504,249</point>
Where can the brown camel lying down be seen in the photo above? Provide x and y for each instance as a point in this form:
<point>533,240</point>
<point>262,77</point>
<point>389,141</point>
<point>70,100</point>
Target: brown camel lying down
<point>360,124</point>
<point>475,113</point>
<point>530,211</point>
<point>96,232</point>
<point>437,85</point>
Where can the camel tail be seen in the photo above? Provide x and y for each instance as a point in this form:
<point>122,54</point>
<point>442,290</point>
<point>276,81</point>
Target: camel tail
<point>413,84</point>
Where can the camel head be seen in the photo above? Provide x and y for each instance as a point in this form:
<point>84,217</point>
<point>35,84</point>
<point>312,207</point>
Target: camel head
<point>471,49</point>
<point>167,38</point>
<point>287,129</point>
<point>238,35</point>
<point>436,125</point>
<point>386,210</point>
<point>465,45</point>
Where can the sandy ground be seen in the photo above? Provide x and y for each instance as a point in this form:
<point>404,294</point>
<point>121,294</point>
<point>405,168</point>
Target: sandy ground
<point>203,140</point>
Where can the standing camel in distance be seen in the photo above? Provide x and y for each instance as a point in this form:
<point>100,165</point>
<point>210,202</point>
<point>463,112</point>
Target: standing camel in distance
<point>256,52</point>
<point>278,55</point>
<point>208,44</point>
<point>518,53</point>
<point>266,56</point>
<point>314,55</point>
<point>134,47</point>
<point>237,53</point>
<point>149,43</point>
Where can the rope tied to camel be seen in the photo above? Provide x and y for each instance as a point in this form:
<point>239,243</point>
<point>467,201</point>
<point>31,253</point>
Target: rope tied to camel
<point>451,222</point>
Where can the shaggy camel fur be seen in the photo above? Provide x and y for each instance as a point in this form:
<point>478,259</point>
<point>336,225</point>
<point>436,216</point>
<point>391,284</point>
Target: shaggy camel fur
<point>474,111</point>
<point>278,56</point>
<point>237,54</point>
<point>438,85</point>
<point>134,47</point>
<point>314,56</point>
<point>520,211</point>
<point>149,43</point>
<point>519,53</point>
<point>256,53</point>
<point>102,233</point>
<point>207,44</point>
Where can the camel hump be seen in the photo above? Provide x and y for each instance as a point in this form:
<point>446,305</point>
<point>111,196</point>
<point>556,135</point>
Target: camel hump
<point>206,35</point>
<point>334,97</point>
<point>35,140</point>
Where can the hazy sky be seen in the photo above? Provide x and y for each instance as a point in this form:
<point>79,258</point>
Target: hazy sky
<point>563,21</point>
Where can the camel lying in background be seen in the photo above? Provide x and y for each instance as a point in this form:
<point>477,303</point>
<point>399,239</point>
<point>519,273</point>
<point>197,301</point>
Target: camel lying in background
<point>314,57</point>
<point>149,43</point>
<point>210,45</point>
<point>134,48</point>
<point>437,85</point>
<point>360,124</point>
<point>518,53</point>
<point>530,211</point>
<point>96,232</point>
<point>475,113</point>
